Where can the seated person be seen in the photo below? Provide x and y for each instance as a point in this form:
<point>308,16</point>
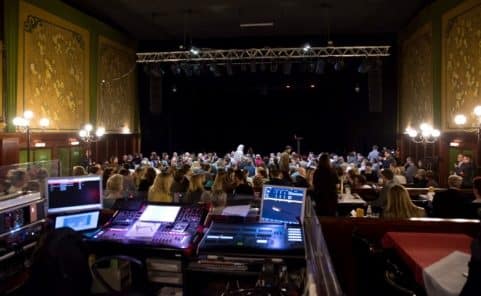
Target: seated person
<point>241,186</point>
<point>473,283</point>
<point>160,190</point>
<point>196,192</point>
<point>399,204</point>
<point>114,191</point>
<point>431,180</point>
<point>60,266</point>
<point>420,180</point>
<point>473,209</point>
<point>18,180</point>
<point>452,202</point>
<point>218,201</point>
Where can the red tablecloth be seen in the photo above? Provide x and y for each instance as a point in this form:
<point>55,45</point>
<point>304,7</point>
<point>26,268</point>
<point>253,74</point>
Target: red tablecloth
<point>419,250</point>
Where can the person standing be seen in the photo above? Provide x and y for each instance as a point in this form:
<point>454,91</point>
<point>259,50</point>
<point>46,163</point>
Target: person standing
<point>324,192</point>
<point>466,170</point>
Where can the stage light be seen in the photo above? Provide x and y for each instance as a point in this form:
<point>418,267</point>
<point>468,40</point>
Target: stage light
<point>243,67</point>
<point>311,67</point>
<point>252,66</point>
<point>357,88</point>
<point>196,69</point>
<point>176,70</point>
<point>263,67</point>
<point>364,67</point>
<point>274,67</point>
<point>213,68</point>
<point>286,68</point>
<point>288,86</point>
<point>320,65</point>
<point>174,89</point>
<point>228,68</point>
<point>339,65</point>
<point>312,86</point>
<point>194,50</point>
<point>306,47</point>
<point>187,69</point>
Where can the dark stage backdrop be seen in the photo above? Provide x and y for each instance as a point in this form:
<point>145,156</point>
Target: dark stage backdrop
<point>265,110</point>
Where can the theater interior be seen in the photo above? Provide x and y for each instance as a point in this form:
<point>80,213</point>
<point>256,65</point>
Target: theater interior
<point>293,147</point>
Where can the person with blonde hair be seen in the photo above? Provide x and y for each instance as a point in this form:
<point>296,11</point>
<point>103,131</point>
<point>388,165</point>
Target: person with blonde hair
<point>219,181</point>
<point>399,204</point>
<point>114,190</point>
<point>196,192</point>
<point>160,191</point>
<point>79,170</point>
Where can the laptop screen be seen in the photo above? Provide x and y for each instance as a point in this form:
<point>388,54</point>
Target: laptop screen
<point>282,204</point>
<point>78,222</point>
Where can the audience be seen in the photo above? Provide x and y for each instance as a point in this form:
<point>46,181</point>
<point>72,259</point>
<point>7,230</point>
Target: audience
<point>160,191</point>
<point>452,202</point>
<point>399,204</point>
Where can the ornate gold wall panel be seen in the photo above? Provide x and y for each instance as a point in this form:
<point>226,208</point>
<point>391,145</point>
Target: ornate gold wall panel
<point>461,66</point>
<point>416,89</point>
<point>116,91</point>
<point>53,71</point>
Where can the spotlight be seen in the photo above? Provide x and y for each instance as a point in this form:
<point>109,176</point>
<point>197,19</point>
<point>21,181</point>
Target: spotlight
<point>194,50</point>
<point>306,47</point>
<point>176,70</point>
<point>288,86</point>
<point>286,68</point>
<point>252,66</point>
<point>320,65</point>
<point>311,67</point>
<point>174,89</point>
<point>243,67</point>
<point>274,67</point>
<point>357,88</point>
<point>312,85</point>
<point>196,69</point>
<point>364,67</point>
<point>157,71</point>
<point>187,69</point>
<point>213,68</point>
<point>228,68</point>
<point>263,67</point>
<point>339,65</point>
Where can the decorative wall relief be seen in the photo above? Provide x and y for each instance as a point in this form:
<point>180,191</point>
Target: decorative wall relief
<point>53,69</point>
<point>461,74</point>
<point>116,90</point>
<point>416,89</point>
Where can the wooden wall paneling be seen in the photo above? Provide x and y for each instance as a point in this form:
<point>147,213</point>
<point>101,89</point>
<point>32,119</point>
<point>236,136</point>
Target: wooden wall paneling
<point>9,150</point>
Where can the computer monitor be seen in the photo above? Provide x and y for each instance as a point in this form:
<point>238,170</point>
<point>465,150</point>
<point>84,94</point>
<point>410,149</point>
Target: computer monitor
<point>282,204</point>
<point>74,194</point>
<point>78,221</point>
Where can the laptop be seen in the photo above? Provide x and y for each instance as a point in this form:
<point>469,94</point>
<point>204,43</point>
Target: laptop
<point>282,204</point>
<point>85,222</point>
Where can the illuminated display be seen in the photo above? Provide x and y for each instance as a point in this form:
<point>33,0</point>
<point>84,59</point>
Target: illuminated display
<point>282,204</point>
<point>75,193</point>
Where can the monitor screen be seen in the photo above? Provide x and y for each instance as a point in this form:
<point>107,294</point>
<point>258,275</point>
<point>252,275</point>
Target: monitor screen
<point>282,204</point>
<point>78,222</point>
<point>74,193</point>
<point>157,213</point>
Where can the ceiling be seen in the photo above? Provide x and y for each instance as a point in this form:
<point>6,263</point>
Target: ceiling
<point>205,19</point>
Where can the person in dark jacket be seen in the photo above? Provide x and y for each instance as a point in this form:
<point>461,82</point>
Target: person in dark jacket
<point>324,183</point>
<point>452,202</point>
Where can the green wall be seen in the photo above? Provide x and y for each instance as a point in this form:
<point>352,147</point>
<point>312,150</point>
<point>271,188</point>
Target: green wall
<point>95,27</point>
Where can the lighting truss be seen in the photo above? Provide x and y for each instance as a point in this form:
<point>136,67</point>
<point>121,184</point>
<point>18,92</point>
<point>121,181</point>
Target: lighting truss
<point>252,54</point>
